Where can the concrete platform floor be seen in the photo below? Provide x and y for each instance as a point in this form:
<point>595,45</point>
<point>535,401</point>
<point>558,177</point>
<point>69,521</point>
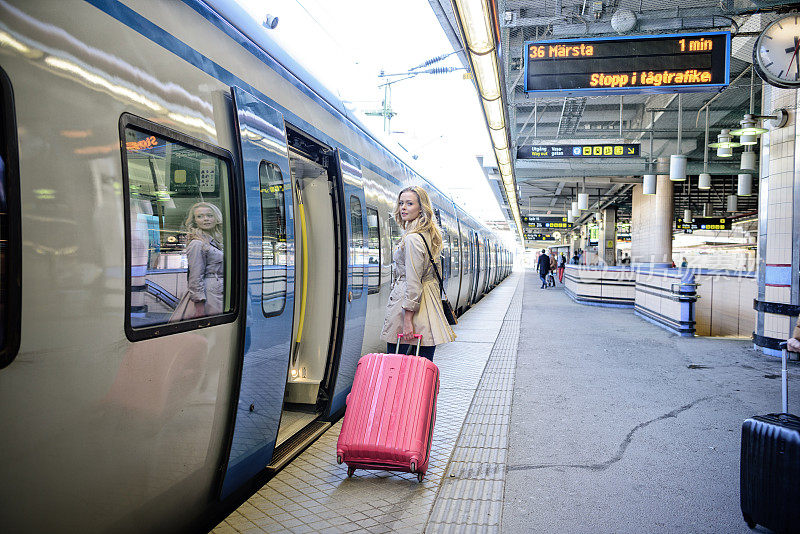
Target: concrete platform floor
<point>619,426</point>
<point>553,417</point>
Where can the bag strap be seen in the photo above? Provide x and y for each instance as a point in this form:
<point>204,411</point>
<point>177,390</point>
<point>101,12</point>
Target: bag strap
<point>433,263</point>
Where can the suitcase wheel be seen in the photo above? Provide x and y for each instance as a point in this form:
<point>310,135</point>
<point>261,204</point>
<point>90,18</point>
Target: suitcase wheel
<point>413,467</point>
<point>749,520</point>
<point>420,476</point>
<point>339,459</point>
<point>350,471</point>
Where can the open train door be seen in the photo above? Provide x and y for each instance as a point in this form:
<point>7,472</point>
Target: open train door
<point>353,287</point>
<point>261,134</point>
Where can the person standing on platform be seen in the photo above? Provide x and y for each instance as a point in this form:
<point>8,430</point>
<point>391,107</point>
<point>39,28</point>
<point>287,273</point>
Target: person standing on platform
<point>415,303</point>
<point>562,262</point>
<point>575,258</point>
<point>551,278</point>
<point>543,266</point>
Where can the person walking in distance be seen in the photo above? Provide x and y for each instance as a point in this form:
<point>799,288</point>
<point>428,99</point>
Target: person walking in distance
<point>415,304</point>
<point>562,263</point>
<point>543,266</point>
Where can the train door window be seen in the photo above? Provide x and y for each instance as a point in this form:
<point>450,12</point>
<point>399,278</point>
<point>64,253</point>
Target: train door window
<point>356,246</point>
<point>373,251</point>
<point>10,228</point>
<point>456,254</point>
<point>448,251</point>
<point>179,231</point>
<point>273,244</point>
<point>395,232</point>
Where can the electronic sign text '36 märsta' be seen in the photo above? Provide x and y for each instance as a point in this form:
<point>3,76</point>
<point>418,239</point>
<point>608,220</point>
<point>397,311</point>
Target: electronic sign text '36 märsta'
<point>620,65</point>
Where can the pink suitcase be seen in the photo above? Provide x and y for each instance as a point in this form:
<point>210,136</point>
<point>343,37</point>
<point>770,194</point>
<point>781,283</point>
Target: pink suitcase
<point>391,410</point>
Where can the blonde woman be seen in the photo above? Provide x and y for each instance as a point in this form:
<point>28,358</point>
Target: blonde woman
<point>415,305</point>
<point>206,268</point>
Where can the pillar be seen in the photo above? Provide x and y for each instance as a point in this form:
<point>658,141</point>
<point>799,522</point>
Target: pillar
<point>651,221</point>
<point>607,240</point>
<point>778,258</point>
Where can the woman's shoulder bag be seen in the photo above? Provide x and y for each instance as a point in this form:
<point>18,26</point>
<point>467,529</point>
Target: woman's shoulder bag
<point>446,307</point>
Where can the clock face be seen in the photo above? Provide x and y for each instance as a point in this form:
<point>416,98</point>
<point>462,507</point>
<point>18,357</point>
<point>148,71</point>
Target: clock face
<point>776,54</point>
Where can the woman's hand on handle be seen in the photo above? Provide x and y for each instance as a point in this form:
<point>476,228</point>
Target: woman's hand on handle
<point>408,327</point>
<point>793,344</point>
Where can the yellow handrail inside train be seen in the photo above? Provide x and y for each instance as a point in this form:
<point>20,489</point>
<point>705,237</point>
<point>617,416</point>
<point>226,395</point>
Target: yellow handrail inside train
<point>304,246</point>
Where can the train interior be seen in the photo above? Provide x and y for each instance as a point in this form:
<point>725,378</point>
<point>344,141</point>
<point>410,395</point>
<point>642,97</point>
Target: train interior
<point>315,284</point>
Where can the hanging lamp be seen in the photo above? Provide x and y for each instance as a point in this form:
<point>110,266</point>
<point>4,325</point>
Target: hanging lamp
<point>677,162</point>
<point>704,180</point>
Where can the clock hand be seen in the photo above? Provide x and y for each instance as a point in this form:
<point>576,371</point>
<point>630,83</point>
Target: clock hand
<point>796,43</point>
<point>796,63</point>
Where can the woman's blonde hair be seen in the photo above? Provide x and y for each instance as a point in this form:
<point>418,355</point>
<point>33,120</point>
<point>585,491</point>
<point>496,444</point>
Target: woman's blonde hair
<point>426,218</point>
<point>193,232</point>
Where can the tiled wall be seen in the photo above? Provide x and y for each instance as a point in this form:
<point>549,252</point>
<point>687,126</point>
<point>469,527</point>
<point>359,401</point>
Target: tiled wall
<point>725,305</point>
<point>602,286</point>
<point>661,298</point>
<point>779,215</point>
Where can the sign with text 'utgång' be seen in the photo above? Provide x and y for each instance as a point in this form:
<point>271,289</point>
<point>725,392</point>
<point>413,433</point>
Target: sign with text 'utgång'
<point>619,150</point>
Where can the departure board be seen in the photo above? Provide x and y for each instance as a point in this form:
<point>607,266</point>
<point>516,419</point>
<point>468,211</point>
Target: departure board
<point>619,65</point>
<point>611,150</point>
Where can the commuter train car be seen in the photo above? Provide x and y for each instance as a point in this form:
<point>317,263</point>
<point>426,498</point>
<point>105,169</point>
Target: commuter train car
<point>128,403</point>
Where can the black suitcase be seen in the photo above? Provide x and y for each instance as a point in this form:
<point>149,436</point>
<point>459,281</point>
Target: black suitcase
<point>770,467</point>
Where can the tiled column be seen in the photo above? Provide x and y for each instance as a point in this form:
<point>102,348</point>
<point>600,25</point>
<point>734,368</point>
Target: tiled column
<point>651,221</point>
<point>608,236</point>
<point>778,225</point>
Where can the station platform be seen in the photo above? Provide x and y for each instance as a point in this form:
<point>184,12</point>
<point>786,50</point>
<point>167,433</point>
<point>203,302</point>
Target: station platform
<point>552,417</point>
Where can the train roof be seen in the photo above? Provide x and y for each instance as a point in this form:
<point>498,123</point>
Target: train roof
<point>235,15</point>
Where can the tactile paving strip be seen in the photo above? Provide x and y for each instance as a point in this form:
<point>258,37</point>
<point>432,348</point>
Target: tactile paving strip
<point>313,493</point>
<point>470,497</point>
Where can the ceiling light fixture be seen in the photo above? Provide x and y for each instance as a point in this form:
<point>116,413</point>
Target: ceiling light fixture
<point>677,162</point>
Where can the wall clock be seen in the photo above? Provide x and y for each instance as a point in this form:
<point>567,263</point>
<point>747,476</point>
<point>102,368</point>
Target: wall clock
<point>776,54</point>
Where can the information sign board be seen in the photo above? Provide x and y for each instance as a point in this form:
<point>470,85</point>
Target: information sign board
<point>618,150</point>
<point>544,222</point>
<point>620,65</point>
<point>539,237</point>
<point>704,223</point>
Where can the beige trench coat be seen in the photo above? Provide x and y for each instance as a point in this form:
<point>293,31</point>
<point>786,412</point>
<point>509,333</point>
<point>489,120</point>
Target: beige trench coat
<point>416,288</point>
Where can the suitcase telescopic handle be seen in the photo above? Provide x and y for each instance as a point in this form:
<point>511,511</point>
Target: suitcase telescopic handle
<point>419,340</point>
<point>784,378</point>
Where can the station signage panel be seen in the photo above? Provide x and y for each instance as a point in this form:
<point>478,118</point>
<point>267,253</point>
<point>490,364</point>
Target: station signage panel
<point>541,222</point>
<point>618,150</point>
<point>704,223</point>
<point>690,62</point>
<point>539,237</point>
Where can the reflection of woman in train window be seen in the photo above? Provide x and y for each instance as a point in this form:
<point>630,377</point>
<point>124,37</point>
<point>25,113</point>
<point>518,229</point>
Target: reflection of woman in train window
<point>205,258</point>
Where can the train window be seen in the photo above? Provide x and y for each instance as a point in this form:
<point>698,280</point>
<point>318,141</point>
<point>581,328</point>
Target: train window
<point>273,244</point>
<point>10,228</point>
<point>179,231</point>
<point>356,246</point>
<point>373,251</point>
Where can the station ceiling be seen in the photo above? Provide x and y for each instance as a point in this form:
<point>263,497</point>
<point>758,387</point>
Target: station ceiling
<point>548,186</point>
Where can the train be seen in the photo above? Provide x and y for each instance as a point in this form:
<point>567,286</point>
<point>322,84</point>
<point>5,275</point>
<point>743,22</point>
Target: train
<point>119,119</point>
